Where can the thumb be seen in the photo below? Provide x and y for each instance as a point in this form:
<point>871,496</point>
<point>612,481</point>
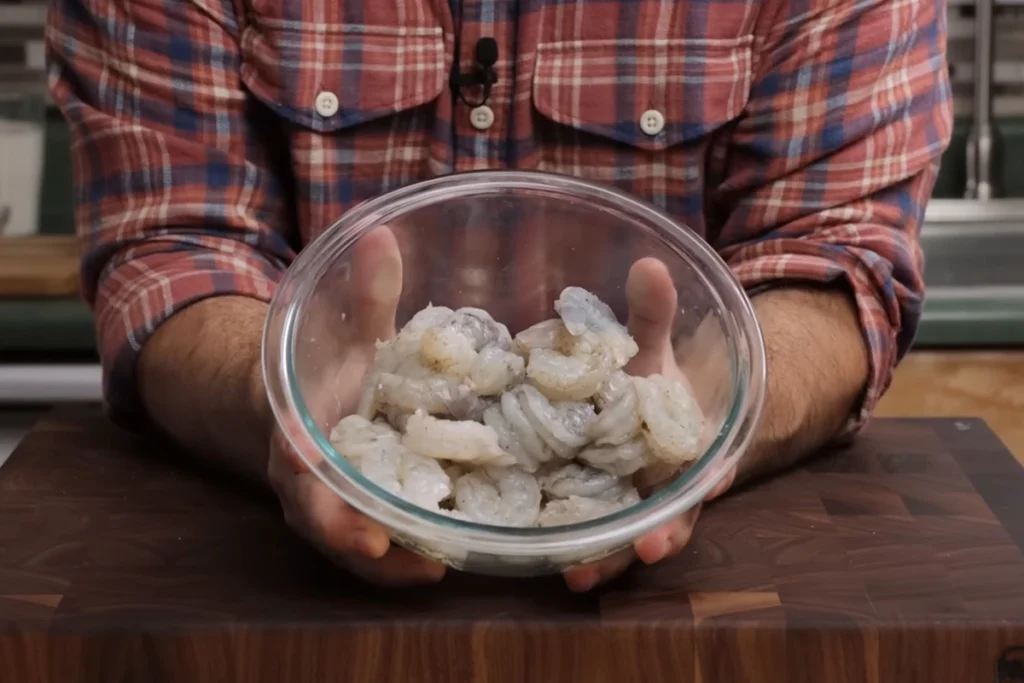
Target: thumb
<point>652,300</point>
<point>376,285</point>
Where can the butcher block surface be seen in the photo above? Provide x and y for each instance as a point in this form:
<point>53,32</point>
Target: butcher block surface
<point>897,559</point>
<point>39,266</point>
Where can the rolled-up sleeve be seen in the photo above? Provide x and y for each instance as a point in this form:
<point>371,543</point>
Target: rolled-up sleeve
<point>175,199</point>
<point>829,170</point>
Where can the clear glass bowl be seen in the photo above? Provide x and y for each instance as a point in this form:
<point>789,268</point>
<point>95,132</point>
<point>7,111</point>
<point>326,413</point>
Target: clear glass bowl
<point>509,242</point>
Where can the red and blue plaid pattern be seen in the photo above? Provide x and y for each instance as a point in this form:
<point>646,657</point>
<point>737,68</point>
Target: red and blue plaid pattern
<point>801,137</point>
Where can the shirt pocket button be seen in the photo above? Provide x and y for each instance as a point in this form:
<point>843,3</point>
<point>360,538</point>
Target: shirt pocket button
<point>652,122</point>
<point>482,117</point>
<point>326,104</point>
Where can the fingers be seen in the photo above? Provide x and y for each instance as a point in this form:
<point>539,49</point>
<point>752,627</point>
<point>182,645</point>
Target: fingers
<point>339,531</point>
<point>333,523</point>
<point>317,513</point>
<point>585,577</point>
<point>354,542</point>
<point>351,540</point>
<point>663,542</point>
<point>376,284</point>
<point>284,461</point>
<point>652,300</point>
<point>670,539</point>
<point>724,485</point>
<point>667,540</point>
<point>398,568</point>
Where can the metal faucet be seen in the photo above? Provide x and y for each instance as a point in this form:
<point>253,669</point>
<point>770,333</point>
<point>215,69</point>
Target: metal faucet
<point>981,140</point>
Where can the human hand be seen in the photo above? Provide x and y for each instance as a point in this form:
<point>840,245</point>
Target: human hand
<point>652,300</point>
<point>313,510</point>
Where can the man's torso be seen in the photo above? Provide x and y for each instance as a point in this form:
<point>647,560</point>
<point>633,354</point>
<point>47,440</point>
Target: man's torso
<point>634,94</point>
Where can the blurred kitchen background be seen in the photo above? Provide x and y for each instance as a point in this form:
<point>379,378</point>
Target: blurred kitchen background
<point>969,357</point>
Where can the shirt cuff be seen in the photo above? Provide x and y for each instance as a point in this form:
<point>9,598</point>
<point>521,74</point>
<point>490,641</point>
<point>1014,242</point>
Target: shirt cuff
<point>144,286</point>
<point>879,320</point>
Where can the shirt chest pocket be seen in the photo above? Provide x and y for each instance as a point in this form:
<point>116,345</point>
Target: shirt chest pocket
<point>353,100</point>
<point>639,114</point>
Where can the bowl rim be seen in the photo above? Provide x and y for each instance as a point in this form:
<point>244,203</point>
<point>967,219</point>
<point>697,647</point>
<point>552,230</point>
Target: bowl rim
<point>408,521</point>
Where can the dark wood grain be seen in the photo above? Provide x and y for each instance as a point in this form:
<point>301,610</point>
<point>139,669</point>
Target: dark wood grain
<point>899,559</point>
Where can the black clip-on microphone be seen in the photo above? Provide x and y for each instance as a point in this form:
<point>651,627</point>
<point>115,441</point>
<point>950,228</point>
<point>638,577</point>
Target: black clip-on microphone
<point>485,56</point>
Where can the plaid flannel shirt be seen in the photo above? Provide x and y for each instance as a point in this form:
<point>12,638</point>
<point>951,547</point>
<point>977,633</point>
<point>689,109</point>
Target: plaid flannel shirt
<point>800,138</point>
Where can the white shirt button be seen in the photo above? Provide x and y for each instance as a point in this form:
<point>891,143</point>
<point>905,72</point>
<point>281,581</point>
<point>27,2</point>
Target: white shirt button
<point>481,117</point>
<point>652,122</point>
<point>326,104</point>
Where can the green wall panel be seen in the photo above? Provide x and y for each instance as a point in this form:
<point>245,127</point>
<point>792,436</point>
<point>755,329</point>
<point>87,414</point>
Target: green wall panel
<point>1009,157</point>
<point>56,215</point>
<point>953,173</point>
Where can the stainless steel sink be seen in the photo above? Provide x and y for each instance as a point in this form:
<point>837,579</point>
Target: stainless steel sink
<point>974,271</point>
<point>974,244</point>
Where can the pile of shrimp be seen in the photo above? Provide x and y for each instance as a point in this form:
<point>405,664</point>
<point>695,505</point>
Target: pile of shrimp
<point>543,429</point>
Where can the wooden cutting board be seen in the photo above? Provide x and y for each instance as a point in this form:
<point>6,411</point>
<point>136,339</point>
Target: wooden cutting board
<point>40,265</point>
<point>896,561</point>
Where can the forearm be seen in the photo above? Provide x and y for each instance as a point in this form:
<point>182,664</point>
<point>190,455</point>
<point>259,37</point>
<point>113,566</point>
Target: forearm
<point>201,383</point>
<point>817,372</point>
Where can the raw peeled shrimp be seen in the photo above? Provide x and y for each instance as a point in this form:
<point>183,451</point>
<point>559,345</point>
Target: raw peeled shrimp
<point>479,407</point>
<point>452,346</point>
<point>418,387</point>
<point>575,369</point>
<point>411,367</point>
<point>494,370</point>
<point>393,356</point>
<point>396,417</point>
<point>435,395</point>
<point>587,316</point>
<point>369,400</point>
<point>550,415</point>
<point>458,441</point>
<point>447,352</point>
<point>619,420</point>
<point>577,480</point>
<point>534,430</point>
<point>424,482</point>
<point>566,378</point>
<point>534,449</point>
<point>672,420</point>
<point>375,449</point>
<point>502,496</point>
<point>357,437</point>
<point>551,366</point>
<point>547,334</point>
<point>509,438</point>
<point>409,338</point>
<point>621,460</point>
<point>612,387</point>
<point>454,470</point>
<point>561,425</point>
<point>624,495</point>
<point>404,393</point>
<point>576,509</point>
